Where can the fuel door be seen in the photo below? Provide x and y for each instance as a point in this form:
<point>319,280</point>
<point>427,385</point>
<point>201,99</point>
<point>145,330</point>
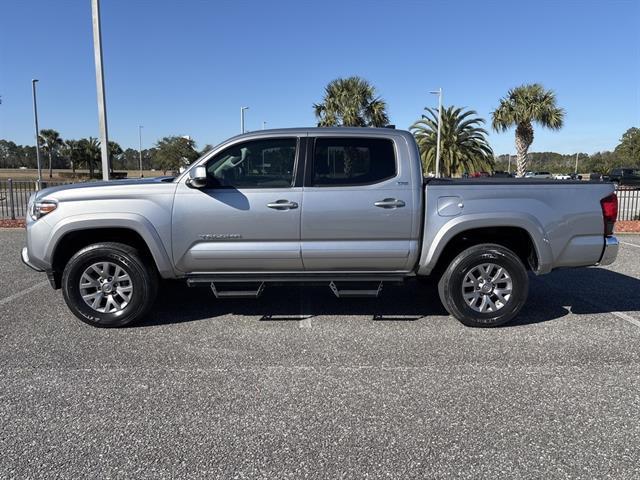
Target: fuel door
<point>450,206</point>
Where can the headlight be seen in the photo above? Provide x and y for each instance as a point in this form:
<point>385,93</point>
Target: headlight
<point>41,208</point>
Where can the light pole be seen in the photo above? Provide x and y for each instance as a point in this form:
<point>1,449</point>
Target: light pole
<point>576,170</point>
<point>439,93</point>
<point>509,155</point>
<point>102,104</point>
<point>242,109</point>
<point>140,149</point>
<point>35,118</point>
<point>264,125</point>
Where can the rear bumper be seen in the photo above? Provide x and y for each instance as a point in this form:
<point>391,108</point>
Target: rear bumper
<point>25,260</point>
<point>610,251</point>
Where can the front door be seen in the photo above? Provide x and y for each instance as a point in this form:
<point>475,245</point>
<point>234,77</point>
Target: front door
<point>358,207</point>
<point>247,219</point>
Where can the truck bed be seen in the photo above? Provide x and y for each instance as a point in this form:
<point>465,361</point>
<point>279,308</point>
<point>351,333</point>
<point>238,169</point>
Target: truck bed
<point>563,218</point>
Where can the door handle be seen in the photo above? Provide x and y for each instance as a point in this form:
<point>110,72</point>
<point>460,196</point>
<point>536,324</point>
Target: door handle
<point>390,203</point>
<point>282,205</point>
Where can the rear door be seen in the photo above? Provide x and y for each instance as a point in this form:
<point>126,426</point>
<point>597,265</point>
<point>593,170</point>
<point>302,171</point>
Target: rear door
<point>247,219</point>
<point>358,206</point>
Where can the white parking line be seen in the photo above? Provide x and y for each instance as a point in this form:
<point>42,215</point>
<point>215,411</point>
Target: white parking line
<point>628,318</point>
<point>22,293</point>
<point>630,244</point>
<point>621,315</point>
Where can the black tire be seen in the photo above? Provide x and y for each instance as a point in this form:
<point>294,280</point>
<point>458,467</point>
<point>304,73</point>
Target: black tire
<point>451,291</point>
<point>142,276</point>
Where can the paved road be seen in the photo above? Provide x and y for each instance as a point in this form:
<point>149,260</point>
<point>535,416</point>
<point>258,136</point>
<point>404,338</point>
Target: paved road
<point>299,384</point>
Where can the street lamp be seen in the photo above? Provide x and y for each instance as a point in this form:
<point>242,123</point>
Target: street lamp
<point>140,150</point>
<point>242,109</point>
<point>35,118</point>
<point>102,103</point>
<point>439,93</point>
<point>264,125</point>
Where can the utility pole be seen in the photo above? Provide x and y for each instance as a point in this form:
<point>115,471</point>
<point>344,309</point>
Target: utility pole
<point>102,104</point>
<point>140,150</point>
<point>439,93</point>
<point>35,118</point>
<point>242,109</point>
<point>264,125</point>
<point>576,170</point>
<point>509,155</point>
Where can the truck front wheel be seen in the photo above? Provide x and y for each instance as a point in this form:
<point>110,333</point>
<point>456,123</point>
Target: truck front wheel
<point>108,284</point>
<point>484,286</point>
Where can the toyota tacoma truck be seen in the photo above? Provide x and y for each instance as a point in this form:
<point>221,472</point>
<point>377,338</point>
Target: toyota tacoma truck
<point>345,207</point>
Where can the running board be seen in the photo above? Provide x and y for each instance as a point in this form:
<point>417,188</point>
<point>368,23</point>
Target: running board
<point>237,293</point>
<point>317,278</point>
<point>353,293</point>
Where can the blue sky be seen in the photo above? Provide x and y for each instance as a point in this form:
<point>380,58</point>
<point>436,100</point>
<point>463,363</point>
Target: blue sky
<point>186,67</point>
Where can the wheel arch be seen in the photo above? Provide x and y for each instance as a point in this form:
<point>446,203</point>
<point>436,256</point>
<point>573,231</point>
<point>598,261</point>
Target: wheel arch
<point>522,235</point>
<point>75,233</point>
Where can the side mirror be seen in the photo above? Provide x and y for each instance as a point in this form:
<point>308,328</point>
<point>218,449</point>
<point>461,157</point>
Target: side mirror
<point>197,177</point>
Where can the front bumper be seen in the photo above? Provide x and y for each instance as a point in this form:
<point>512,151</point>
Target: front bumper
<point>25,260</point>
<point>610,251</point>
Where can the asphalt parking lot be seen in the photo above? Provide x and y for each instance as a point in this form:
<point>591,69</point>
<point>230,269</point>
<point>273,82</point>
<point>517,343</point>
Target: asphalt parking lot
<point>299,384</point>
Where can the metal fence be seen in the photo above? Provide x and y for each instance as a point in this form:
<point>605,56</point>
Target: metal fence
<point>14,196</point>
<point>628,202</point>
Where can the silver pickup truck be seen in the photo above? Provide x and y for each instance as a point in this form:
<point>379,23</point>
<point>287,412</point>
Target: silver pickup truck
<point>346,207</point>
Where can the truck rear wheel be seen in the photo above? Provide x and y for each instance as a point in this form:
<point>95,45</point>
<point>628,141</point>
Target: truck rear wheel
<point>108,285</point>
<point>484,286</point>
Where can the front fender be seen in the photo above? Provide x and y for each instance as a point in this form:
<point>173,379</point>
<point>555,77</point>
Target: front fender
<point>435,242</point>
<point>132,221</point>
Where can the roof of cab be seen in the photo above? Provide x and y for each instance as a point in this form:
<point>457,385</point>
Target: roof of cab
<point>311,131</point>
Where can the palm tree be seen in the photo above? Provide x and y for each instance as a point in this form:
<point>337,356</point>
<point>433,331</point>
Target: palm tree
<point>70,149</point>
<point>51,143</point>
<point>351,102</point>
<point>522,107</point>
<point>463,141</point>
<point>115,150</point>
<point>88,153</point>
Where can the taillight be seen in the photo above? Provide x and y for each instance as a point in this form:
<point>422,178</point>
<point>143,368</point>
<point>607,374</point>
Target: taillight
<point>609,213</point>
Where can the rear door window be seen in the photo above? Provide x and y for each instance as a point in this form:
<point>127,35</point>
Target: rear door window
<point>352,161</point>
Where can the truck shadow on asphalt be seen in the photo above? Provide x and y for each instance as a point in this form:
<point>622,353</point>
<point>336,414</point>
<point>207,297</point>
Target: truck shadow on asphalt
<point>551,297</point>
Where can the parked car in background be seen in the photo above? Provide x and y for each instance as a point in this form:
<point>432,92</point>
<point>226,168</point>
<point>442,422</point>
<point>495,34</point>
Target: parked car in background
<point>575,176</point>
<point>479,174</point>
<point>501,174</point>
<point>598,177</point>
<point>625,176</point>
<point>562,176</point>
<point>538,175</point>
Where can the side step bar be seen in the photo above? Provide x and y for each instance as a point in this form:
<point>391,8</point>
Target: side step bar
<point>237,293</point>
<point>338,292</point>
<point>356,293</point>
<point>321,279</point>
<point>244,286</point>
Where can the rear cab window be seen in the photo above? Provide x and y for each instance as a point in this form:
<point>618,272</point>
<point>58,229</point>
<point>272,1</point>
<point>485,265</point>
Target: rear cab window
<point>352,161</point>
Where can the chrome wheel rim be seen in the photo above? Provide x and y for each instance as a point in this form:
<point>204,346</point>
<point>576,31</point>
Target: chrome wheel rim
<point>487,288</point>
<point>106,287</point>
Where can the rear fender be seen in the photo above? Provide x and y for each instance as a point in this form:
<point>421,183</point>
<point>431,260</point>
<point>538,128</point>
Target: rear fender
<point>433,247</point>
